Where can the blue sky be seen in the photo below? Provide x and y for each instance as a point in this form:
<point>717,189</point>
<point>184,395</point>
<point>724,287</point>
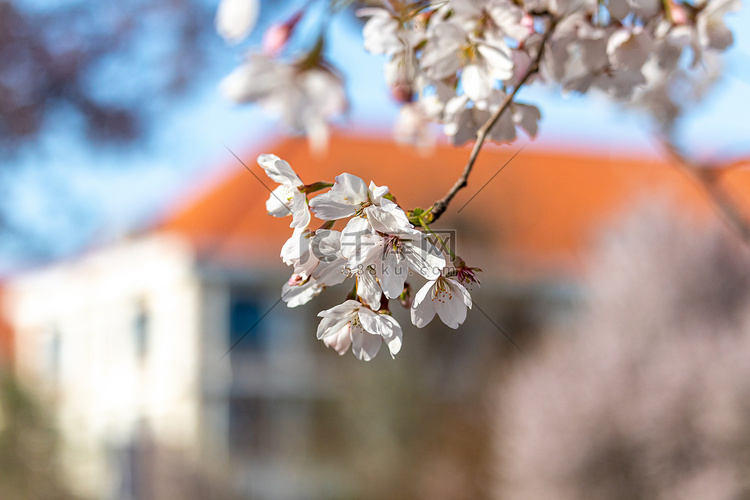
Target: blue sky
<point>104,195</point>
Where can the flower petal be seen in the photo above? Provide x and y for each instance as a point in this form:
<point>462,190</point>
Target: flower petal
<point>368,288</point>
<point>344,308</point>
<point>452,308</point>
<point>339,338</point>
<point>359,244</point>
<point>498,62</point>
<point>476,82</point>
<point>527,117</point>
<point>365,345</point>
<point>279,204</point>
<point>301,294</point>
<point>383,325</point>
<point>296,247</point>
<point>300,213</point>
<point>422,308</point>
<point>392,273</point>
<point>424,257</point>
<point>350,188</point>
<point>278,170</point>
<point>326,207</point>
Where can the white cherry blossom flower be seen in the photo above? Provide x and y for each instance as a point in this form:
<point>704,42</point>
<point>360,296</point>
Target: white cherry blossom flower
<point>502,18</point>
<point>712,32</point>
<point>353,324</point>
<point>351,196</point>
<point>361,245</point>
<point>317,261</point>
<point>383,32</point>
<point>316,254</point>
<point>256,79</point>
<point>414,125</point>
<point>669,43</point>
<point>407,250</point>
<point>443,55</point>
<point>286,199</point>
<point>628,49</point>
<point>235,19</point>
<point>484,60</point>
<point>347,196</point>
<point>304,99</point>
<point>463,121</point>
<point>297,248</point>
<point>391,254</point>
<point>443,296</point>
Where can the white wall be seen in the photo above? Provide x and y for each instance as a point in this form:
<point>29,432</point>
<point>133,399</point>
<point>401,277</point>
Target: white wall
<point>103,390</point>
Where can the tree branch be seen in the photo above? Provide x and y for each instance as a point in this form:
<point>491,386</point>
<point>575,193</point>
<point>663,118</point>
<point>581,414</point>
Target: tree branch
<point>442,204</point>
<point>707,176</point>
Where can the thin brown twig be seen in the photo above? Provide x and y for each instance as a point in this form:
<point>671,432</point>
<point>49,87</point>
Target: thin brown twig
<point>708,177</point>
<point>442,204</point>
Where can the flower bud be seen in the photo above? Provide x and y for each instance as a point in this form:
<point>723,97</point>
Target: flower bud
<point>402,92</point>
<point>276,37</point>
<point>405,297</point>
<point>295,280</point>
<point>678,14</point>
<point>527,21</point>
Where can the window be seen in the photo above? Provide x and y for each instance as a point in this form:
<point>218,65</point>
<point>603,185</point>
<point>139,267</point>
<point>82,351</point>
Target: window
<point>246,330</point>
<point>141,327</point>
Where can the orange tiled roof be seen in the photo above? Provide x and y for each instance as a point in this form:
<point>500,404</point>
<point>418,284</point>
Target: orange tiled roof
<point>540,210</point>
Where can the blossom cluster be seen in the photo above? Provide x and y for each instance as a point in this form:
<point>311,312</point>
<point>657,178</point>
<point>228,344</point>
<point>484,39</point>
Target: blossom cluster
<point>456,63</point>
<point>376,251</point>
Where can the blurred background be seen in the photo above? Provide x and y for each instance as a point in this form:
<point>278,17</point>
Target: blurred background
<point>605,356</point>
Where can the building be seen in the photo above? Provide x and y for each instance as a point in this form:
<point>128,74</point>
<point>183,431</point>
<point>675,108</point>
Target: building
<point>174,338</point>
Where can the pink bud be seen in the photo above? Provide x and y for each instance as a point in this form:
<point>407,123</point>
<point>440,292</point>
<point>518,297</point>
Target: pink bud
<point>295,280</point>
<point>276,37</point>
<point>528,22</point>
<point>678,13</point>
<point>402,92</point>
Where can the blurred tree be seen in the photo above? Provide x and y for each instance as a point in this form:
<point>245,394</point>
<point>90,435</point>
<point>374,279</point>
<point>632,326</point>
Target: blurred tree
<point>28,448</point>
<point>62,57</point>
<point>113,66</point>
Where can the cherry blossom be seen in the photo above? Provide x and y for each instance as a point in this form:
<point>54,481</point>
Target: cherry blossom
<point>483,60</point>
<point>305,98</point>
<point>391,253</point>
<point>287,199</point>
<point>443,296</point>
<point>383,32</point>
<point>351,196</point>
<point>317,262</point>
<point>459,65</point>
<point>352,324</point>
<point>712,32</point>
<point>447,61</point>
